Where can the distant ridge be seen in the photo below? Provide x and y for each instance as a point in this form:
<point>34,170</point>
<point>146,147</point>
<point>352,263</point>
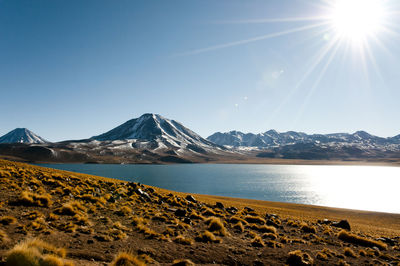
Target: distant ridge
<point>272,138</point>
<point>22,135</point>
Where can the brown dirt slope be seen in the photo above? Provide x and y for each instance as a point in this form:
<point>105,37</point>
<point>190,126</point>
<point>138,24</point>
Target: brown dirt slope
<point>94,218</point>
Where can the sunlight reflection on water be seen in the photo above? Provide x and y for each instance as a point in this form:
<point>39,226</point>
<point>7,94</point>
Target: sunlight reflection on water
<point>356,187</point>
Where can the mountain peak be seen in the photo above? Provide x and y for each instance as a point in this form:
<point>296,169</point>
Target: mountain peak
<point>157,130</point>
<point>21,135</point>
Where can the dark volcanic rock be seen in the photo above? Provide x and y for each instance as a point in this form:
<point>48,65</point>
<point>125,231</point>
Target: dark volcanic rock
<point>219,205</point>
<point>180,212</point>
<point>191,198</point>
<point>344,224</point>
<point>232,210</point>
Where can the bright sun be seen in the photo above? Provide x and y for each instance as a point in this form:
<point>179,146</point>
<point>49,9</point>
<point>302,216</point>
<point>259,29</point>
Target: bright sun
<point>355,20</point>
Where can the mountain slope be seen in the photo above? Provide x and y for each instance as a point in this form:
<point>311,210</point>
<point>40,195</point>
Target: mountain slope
<point>156,132</point>
<point>21,135</point>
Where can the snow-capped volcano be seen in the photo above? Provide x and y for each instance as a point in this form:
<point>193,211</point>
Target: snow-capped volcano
<point>154,131</point>
<point>21,135</point>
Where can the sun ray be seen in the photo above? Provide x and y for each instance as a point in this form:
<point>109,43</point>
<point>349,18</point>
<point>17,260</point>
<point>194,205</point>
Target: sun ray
<point>273,20</point>
<point>315,62</point>
<point>335,46</point>
<point>374,63</point>
<point>255,39</point>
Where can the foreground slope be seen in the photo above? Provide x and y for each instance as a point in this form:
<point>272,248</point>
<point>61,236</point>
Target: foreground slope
<point>94,218</point>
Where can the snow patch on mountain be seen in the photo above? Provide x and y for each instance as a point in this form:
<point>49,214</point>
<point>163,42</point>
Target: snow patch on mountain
<point>22,135</point>
<point>273,139</point>
<point>154,132</point>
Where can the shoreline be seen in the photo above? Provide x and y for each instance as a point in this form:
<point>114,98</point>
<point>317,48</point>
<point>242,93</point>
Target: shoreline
<point>391,162</point>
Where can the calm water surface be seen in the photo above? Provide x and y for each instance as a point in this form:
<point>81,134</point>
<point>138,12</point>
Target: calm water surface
<point>372,188</point>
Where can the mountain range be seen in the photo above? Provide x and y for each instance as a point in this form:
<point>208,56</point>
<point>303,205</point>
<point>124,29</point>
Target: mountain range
<point>272,138</point>
<point>151,138</point>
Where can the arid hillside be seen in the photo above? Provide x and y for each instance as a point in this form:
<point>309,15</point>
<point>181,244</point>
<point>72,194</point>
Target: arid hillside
<point>51,217</point>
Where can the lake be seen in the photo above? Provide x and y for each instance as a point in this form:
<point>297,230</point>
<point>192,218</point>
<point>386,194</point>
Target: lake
<point>373,188</point>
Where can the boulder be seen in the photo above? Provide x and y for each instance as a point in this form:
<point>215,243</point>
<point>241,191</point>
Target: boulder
<point>232,210</point>
<point>344,224</point>
<point>191,198</point>
<point>219,205</point>
<point>180,212</point>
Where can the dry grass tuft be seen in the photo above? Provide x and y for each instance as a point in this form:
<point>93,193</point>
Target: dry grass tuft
<point>321,256</point>
<point>263,228</point>
<point>33,215</point>
<point>185,262</point>
<point>71,208</point>
<point>6,220</point>
<point>236,219</point>
<point>32,199</point>
<point>118,225</point>
<point>293,223</point>
<point>21,255</point>
<point>126,259</point>
<point>92,199</point>
<point>208,212</point>
<point>68,227</point>
<point>36,253</point>
<point>308,228</point>
<point>342,263</point>
<point>349,252</point>
<point>207,237</point>
<point>51,260</point>
<point>362,241</point>
<point>124,211</point>
<point>216,225</point>
<point>271,236</point>
<point>196,216</point>
<point>182,240</point>
<point>3,236</point>
<point>298,257</point>
<point>257,241</point>
<point>239,227</point>
<point>53,217</point>
<point>117,234</point>
<point>254,219</point>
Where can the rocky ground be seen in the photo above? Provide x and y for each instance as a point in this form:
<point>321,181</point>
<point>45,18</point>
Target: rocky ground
<point>95,218</point>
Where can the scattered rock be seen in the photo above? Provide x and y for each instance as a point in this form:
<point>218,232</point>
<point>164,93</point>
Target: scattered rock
<point>232,210</point>
<point>143,194</point>
<point>297,258</point>
<point>219,205</point>
<point>344,224</point>
<point>258,263</point>
<point>273,215</point>
<point>180,212</point>
<point>111,199</point>
<point>132,185</point>
<point>324,221</point>
<point>191,198</point>
<point>249,209</point>
<point>387,240</point>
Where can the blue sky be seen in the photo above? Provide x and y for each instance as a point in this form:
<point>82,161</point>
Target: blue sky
<point>74,69</point>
